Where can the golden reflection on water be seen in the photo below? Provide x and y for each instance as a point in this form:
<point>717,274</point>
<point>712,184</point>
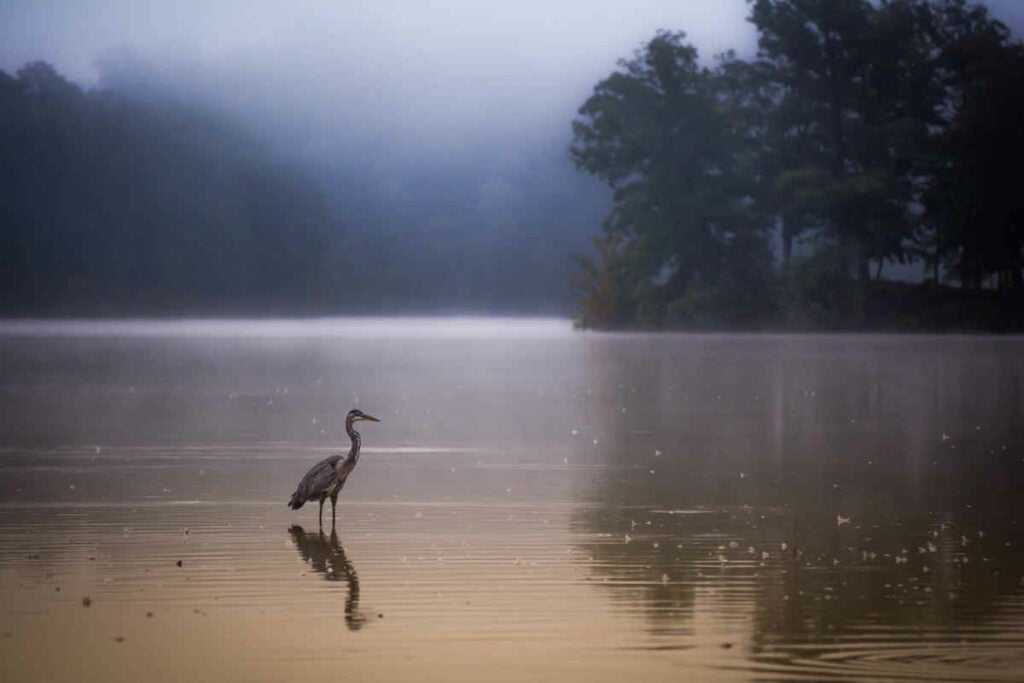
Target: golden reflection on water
<point>452,587</point>
<point>540,506</point>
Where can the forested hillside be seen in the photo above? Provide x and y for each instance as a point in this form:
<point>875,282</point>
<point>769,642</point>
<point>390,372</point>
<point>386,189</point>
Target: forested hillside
<point>115,205</point>
<point>139,198</point>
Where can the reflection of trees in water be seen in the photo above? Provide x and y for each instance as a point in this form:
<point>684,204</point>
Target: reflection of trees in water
<point>790,583</point>
<point>755,420</point>
<point>326,555</point>
<point>780,441</point>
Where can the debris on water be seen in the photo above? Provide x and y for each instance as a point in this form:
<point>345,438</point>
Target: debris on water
<point>179,563</point>
<point>765,555</point>
<point>149,615</point>
<point>71,487</point>
<point>628,538</point>
<point>783,546</point>
<point>595,442</point>
<point>380,615</point>
<point>743,475</point>
<point>664,578</point>
<point>575,432</point>
<point>96,450</point>
<point>119,639</point>
<point>734,544</point>
<point>963,541</point>
<point>725,646</point>
<point>86,601</point>
<point>840,520</point>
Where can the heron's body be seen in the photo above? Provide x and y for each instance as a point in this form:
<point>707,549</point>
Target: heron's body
<point>326,478</point>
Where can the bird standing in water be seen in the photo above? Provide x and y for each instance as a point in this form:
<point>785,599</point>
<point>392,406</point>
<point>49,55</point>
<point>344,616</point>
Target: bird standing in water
<point>327,477</point>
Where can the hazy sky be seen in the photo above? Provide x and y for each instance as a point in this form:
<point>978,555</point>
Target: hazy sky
<point>434,69</point>
<point>416,71</point>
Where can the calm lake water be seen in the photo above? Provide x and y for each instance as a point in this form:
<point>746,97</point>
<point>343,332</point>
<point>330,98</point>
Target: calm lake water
<point>536,504</point>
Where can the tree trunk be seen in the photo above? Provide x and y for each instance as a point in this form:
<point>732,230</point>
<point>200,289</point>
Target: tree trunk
<point>787,242</point>
<point>863,266</point>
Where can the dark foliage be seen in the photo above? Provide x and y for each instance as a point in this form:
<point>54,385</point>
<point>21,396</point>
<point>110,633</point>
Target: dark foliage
<point>115,205</point>
<point>863,133</point>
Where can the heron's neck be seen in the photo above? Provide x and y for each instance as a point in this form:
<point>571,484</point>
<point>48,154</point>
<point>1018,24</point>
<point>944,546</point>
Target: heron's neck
<point>354,435</point>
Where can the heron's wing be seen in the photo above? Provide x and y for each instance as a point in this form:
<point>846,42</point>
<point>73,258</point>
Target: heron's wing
<point>318,479</point>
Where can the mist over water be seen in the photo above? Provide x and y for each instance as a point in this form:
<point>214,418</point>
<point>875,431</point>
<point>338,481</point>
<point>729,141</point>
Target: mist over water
<point>733,507</point>
<point>537,502</point>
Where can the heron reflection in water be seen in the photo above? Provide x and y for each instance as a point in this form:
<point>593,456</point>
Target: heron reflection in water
<point>327,477</point>
<point>326,556</point>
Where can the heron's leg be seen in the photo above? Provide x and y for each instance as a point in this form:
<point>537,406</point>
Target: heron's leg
<point>334,502</point>
<point>321,511</point>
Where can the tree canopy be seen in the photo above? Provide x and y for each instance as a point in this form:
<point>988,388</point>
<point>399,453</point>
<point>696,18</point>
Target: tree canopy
<point>763,191</point>
<point>109,204</point>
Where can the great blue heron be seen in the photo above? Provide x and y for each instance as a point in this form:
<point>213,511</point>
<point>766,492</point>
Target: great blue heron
<point>327,477</point>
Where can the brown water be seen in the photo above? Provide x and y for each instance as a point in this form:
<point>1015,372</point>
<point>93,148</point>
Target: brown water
<point>537,504</point>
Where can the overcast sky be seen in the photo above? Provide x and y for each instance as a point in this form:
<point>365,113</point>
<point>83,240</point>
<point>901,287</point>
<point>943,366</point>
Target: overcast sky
<point>438,70</point>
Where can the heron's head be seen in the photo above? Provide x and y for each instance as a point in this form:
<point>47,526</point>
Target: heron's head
<point>357,415</point>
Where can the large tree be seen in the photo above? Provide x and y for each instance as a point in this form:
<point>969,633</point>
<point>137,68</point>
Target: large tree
<point>856,98</point>
<point>974,210</point>
<point>681,232</point>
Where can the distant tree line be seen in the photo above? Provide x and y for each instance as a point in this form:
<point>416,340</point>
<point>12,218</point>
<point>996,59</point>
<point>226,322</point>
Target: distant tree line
<point>772,192</point>
<point>110,204</point>
<point>138,197</point>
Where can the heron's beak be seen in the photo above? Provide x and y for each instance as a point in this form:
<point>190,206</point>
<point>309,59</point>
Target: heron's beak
<point>369,419</point>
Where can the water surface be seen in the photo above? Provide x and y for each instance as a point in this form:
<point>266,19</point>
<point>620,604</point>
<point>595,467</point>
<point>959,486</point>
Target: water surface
<point>537,503</point>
